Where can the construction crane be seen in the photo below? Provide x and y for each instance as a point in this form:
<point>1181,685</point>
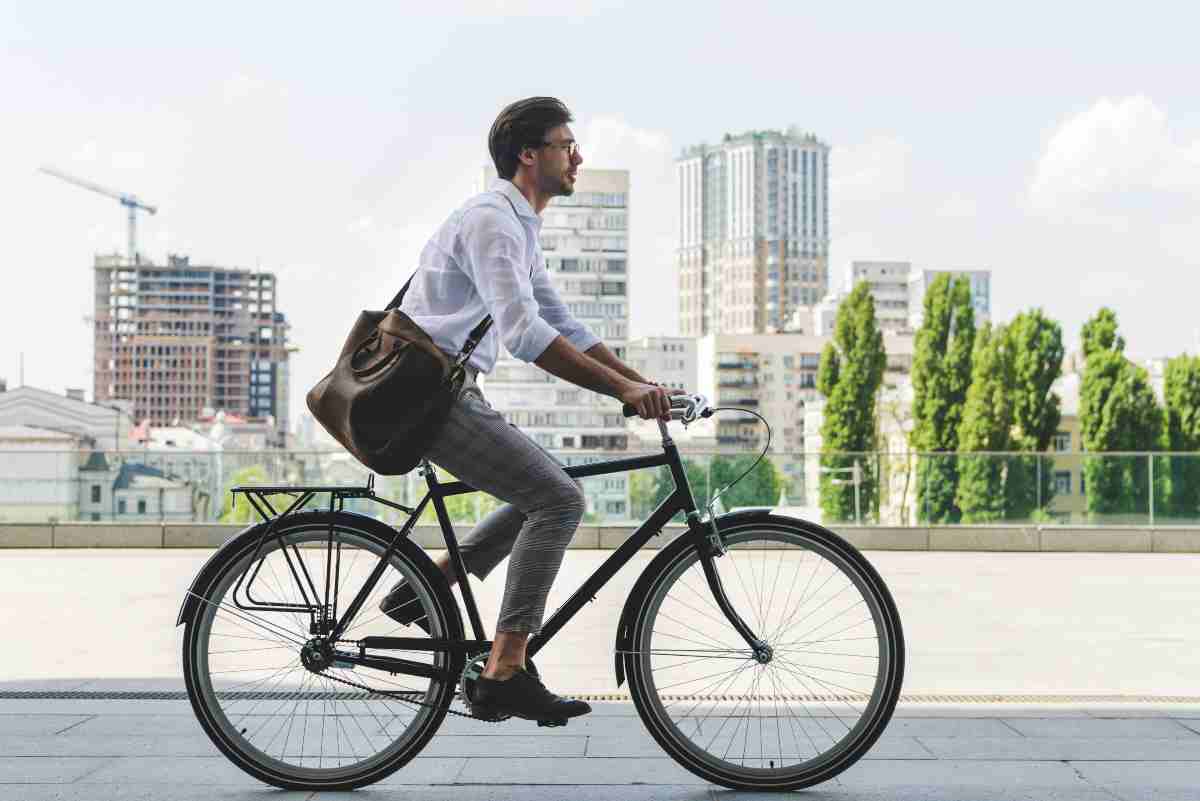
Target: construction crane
<point>128,201</point>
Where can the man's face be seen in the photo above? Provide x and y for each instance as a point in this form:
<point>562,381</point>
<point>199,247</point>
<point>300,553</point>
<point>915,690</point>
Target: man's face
<point>557,167</point>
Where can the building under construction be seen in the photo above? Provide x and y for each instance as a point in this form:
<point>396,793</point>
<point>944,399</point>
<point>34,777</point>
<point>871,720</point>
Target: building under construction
<point>183,342</point>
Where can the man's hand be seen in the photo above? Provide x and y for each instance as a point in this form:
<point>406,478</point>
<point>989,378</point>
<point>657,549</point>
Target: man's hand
<point>651,401</point>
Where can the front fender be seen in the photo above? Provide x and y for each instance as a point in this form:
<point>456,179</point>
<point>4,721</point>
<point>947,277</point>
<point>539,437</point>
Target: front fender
<point>668,554</point>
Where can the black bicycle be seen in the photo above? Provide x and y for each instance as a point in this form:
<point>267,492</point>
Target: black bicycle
<point>762,652</point>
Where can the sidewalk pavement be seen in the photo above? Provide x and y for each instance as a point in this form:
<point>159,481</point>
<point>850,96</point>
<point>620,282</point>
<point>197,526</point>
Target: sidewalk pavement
<point>88,749</point>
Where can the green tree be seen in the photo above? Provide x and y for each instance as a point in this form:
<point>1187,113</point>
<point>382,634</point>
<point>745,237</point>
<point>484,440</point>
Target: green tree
<point>235,508</point>
<point>849,376</point>
<point>1181,394</point>
<point>1117,412</point>
<point>986,425</point>
<point>1037,353</point>
<point>941,375</point>
<point>761,486</point>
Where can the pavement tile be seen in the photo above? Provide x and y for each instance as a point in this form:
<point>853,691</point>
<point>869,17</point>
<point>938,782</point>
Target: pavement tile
<point>576,770</point>
<point>139,726</point>
<point>641,745</point>
<point>948,727</point>
<point>505,746</point>
<point>220,771</point>
<point>1064,748</point>
<point>1141,728</point>
<point>960,772</point>
<point>35,725</point>
<point>530,792</point>
<point>107,745</point>
<point>32,770</point>
<point>153,792</point>
<point>86,706</point>
<point>1144,781</point>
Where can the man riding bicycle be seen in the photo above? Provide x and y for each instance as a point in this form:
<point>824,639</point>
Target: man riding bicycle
<point>486,259</point>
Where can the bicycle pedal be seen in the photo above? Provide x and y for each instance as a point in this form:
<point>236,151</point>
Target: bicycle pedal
<point>553,723</point>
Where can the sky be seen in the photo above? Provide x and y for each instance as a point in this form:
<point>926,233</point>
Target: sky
<point>1056,144</point>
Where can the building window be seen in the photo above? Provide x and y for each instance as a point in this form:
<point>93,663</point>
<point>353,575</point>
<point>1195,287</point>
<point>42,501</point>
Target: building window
<point>1062,441</point>
<point>95,517</point>
<point>1062,482</point>
<point>95,493</point>
<point>141,506</point>
<point>121,506</point>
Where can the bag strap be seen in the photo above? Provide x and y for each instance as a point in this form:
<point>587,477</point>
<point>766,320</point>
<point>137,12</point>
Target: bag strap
<point>478,332</point>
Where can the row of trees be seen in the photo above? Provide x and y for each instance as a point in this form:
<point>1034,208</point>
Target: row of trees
<point>987,389</point>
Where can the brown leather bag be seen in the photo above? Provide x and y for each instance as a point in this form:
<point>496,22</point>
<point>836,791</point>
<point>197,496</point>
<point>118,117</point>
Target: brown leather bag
<point>390,392</point>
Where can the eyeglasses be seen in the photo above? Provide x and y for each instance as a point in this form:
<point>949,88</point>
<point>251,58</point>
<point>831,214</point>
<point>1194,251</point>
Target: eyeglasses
<point>571,147</point>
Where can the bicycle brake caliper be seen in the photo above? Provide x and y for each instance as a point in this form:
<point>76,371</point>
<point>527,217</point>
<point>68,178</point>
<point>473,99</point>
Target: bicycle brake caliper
<point>713,537</point>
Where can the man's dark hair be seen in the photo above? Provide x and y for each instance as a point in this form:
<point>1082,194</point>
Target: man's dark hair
<point>523,124</point>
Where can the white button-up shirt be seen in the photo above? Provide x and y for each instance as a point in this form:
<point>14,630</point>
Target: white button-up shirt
<point>487,260</point>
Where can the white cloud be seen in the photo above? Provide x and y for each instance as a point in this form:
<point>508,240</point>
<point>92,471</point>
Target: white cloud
<point>611,142</point>
<point>868,194</point>
<point>1116,160</point>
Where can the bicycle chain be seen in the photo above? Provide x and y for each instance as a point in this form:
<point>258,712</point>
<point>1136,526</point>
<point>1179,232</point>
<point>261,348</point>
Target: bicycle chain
<point>398,697</point>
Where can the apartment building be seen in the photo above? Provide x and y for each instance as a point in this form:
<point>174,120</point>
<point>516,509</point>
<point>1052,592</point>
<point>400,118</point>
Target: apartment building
<point>584,241</point>
<point>178,339</point>
<point>754,231</point>
<point>899,293</point>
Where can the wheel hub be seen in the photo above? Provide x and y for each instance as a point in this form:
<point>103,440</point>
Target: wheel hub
<point>317,654</point>
<point>763,653</point>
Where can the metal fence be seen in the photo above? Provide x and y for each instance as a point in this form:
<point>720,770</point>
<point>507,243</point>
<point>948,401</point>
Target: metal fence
<point>1153,489</point>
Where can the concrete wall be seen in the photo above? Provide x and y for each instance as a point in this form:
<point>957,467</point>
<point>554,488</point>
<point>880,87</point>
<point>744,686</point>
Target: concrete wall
<point>1116,539</point>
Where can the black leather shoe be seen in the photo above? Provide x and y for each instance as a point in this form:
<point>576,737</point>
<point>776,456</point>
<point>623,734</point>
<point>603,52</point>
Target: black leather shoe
<point>522,695</point>
<point>402,606</point>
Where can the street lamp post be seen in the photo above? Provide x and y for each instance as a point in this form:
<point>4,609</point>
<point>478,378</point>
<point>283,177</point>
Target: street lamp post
<point>855,471</point>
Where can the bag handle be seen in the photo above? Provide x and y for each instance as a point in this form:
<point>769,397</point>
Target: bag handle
<point>478,331</point>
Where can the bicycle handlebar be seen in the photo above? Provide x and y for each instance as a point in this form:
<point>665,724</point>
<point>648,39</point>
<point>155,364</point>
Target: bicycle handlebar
<point>685,408</point>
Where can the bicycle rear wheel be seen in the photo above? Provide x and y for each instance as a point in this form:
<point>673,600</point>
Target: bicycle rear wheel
<point>821,698</point>
<point>260,700</point>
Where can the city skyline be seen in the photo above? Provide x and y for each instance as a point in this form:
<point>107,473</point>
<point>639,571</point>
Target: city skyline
<point>1072,172</point>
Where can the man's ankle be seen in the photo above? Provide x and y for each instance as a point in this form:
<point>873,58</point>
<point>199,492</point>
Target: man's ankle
<point>500,673</point>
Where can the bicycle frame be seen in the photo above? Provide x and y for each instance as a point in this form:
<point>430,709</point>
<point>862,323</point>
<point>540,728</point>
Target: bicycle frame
<point>703,533</point>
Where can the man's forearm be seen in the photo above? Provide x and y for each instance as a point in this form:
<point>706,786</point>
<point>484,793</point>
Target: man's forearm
<point>563,360</point>
<point>601,353</point>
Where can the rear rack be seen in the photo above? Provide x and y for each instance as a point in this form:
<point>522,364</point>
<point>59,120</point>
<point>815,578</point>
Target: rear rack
<point>257,496</point>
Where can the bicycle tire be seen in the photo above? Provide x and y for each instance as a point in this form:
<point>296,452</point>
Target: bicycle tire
<point>669,572</point>
<point>348,529</point>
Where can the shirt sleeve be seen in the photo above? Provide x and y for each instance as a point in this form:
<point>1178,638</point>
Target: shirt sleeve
<point>555,312</point>
<point>494,258</point>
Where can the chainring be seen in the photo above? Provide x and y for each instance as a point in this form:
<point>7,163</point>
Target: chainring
<point>472,671</point>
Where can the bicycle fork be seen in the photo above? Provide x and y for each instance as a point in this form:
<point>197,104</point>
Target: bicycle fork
<point>710,546</point>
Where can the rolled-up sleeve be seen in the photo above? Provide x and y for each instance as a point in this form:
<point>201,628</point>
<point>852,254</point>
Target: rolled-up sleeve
<point>494,257</point>
<point>555,312</point>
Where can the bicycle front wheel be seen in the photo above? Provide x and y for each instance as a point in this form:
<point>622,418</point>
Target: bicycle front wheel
<point>819,699</point>
<point>297,716</point>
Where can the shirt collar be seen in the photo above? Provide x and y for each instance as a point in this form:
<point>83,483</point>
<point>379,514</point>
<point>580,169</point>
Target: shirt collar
<point>509,190</point>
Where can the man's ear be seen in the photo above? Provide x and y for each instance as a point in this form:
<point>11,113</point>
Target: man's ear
<point>526,156</point>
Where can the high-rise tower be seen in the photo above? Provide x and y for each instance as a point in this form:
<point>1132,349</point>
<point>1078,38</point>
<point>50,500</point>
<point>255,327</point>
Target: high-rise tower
<point>754,231</point>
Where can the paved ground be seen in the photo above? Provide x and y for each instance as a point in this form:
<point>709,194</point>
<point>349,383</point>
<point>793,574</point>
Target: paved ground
<point>97,750</point>
<point>1088,625</point>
